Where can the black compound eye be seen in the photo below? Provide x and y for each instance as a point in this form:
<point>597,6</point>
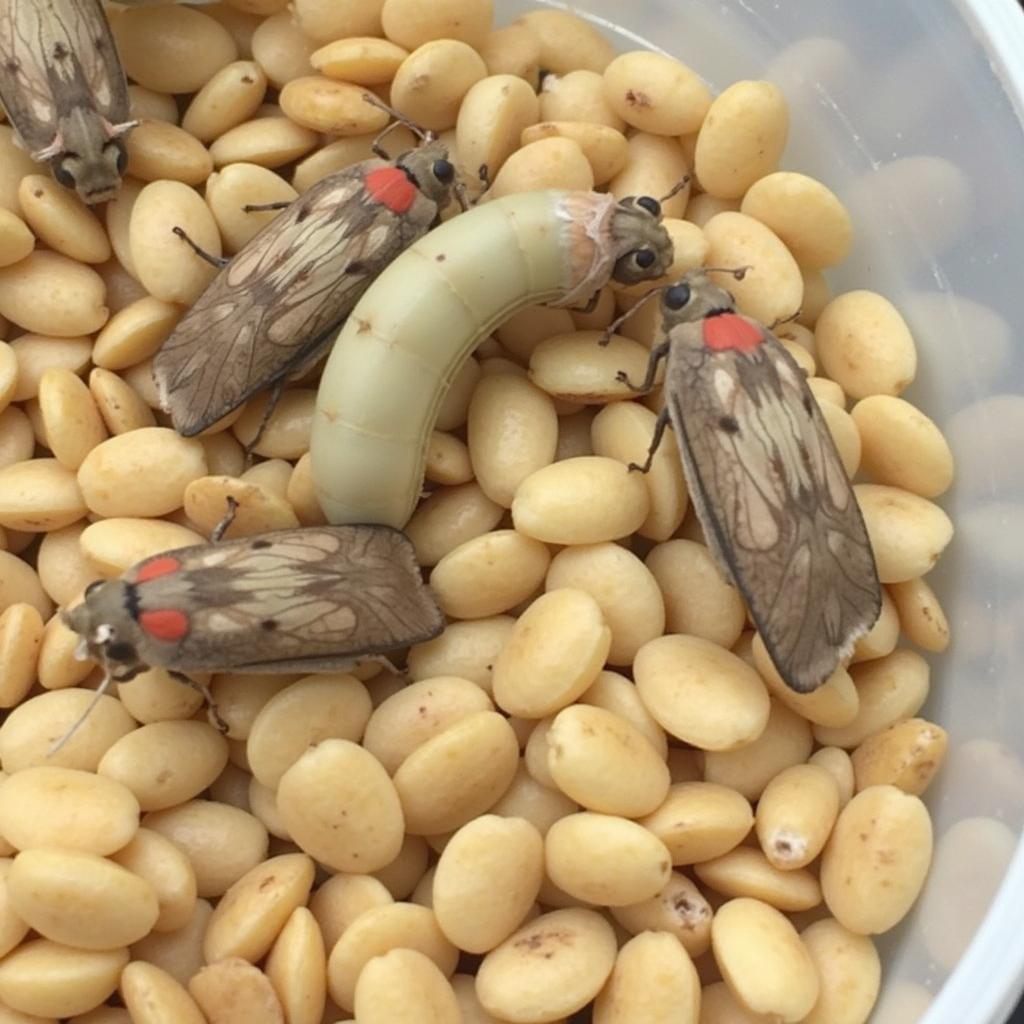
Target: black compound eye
<point>122,159</point>
<point>121,651</point>
<point>443,171</point>
<point>677,296</point>
<point>644,259</point>
<point>64,177</point>
<point>93,587</point>
<point>652,206</point>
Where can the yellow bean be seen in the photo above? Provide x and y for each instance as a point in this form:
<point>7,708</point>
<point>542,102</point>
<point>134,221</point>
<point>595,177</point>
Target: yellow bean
<point>849,970</point>
<point>605,148</point>
<point>167,870</point>
<point>921,616</point>
<point>161,151</point>
<point>404,987</point>
<point>16,240</point>
<point>747,872</point>
<point>230,190</point>
<point>47,293</point>
<point>883,636</point>
<point>178,953</point>
<point>135,333</point>
<point>512,50</point>
<point>795,815</point>
<point>363,60</point>
<point>699,821</point>
<point>552,163</point>
<point>21,634</point>
<point>112,546</point>
<point>71,420</point>
<point>433,80</point>
<point>153,996</point>
<point>618,695</point>
<point>61,220</point>
<point>679,909</point>
<point>120,405</point>
<point>343,898</point>
<point>655,93</point>
<point>297,968</point>
<point>574,367</point>
<point>906,755</point>
<point>495,113</point>
<point>58,666</point>
<point>464,649</point>
<point>451,517</point>
<point>568,42</point>
<point>282,49</point>
<point>230,97</point>
<point>268,141</point>
<point>234,992</point>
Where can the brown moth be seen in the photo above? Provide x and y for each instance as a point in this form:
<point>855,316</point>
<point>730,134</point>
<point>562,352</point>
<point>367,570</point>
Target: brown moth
<point>271,313</point>
<point>304,600</point>
<point>765,479</point>
<point>64,91</point>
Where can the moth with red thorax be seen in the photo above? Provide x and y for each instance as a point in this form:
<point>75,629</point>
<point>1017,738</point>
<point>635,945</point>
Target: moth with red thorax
<point>270,314</point>
<point>765,479</point>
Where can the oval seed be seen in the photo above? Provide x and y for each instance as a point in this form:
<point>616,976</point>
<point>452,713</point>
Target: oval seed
<point>265,141</point>
<point>21,634</point>
<point>404,987</point>
<point>297,968</point>
<point>493,116</point>
<point>161,151</point>
<point>464,649</point>
<point>747,872</point>
<point>920,614</point>
<point>343,898</point>
<point>16,240</point>
<point>178,953</point>
<point>71,420</point>
<point>449,517</point>
<point>47,293</point>
<point>112,546</point>
<point>120,405</point>
<point>605,148</point>
<point>410,24</point>
<point>153,996</point>
<point>656,93</point>
<point>795,815</point>
<point>448,460</point>
<point>679,909</point>
<point>281,48</point>
<point>906,755</point>
<point>234,992</point>
<point>548,163</point>
<point>433,80</point>
<point>135,333</point>
<point>167,870</point>
<point>324,105</point>
<point>513,50</point>
<point>573,367</point>
<point>849,970</point>
<point>363,60</point>
<point>231,96</point>
<point>61,220</point>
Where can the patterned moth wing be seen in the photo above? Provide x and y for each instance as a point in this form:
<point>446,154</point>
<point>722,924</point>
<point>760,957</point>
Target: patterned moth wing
<point>301,600</point>
<point>270,314</point>
<point>64,91</point>
<point>768,485</point>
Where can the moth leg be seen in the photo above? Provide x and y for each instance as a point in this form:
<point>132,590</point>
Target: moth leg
<point>785,319</point>
<point>590,306</point>
<point>281,204</point>
<point>659,433</point>
<point>216,261</point>
<point>225,524</point>
<point>273,398</point>
<point>613,327</point>
<point>657,354</point>
<point>211,705</point>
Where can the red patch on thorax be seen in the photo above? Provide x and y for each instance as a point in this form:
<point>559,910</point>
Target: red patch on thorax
<point>167,624</point>
<point>162,566</point>
<point>390,187</point>
<point>728,332</point>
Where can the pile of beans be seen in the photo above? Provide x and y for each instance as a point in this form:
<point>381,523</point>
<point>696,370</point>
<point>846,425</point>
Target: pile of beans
<point>595,799</point>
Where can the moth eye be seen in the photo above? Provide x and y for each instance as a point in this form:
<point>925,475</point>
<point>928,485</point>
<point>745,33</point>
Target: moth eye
<point>122,651</point>
<point>644,258</point>
<point>122,159</point>
<point>93,587</point>
<point>652,206</point>
<point>443,171</point>
<point>63,176</point>
<point>677,296</point>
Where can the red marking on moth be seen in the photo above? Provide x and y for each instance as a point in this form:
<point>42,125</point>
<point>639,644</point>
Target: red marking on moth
<point>390,187</point>
<point>729,332</point>
<point>167,624</point>
<point>162,566</point>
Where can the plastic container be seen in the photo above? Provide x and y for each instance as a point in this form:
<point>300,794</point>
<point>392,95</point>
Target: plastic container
<point>912,112</point>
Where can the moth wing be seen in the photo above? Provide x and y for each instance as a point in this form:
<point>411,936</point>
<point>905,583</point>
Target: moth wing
<point>309,597</point>
<point>271,310</point>
<point>93,44</point>
<point>25,87</point>
<point>777,508</point>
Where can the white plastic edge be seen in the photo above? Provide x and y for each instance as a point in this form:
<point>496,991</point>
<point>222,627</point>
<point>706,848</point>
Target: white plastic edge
<point>986,984</point>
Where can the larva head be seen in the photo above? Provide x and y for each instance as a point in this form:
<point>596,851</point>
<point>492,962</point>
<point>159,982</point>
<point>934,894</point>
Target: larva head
<point>643,249</point>
<point>109,632</point>
<point>431,170</point>
<point>92,158</point>
<point>695,297</point>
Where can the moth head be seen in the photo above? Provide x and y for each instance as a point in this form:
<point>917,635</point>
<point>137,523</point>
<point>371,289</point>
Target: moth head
<point>432,171</point>
<point>105,625</point>
<point>643,248</point>
<point>693,298</point>
<point>96,177</point>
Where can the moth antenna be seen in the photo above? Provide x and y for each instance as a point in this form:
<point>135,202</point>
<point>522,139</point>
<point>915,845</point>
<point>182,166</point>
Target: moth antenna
<point>225,524</point>
<point>676,188</point>
<point>612,328</point>
<point>738,273</point>
<point>420,133</point>
<point>785,319</point>
<point>100,691</point>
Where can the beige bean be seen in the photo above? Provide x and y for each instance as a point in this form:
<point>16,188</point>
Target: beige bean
<point>655,165</point>
<point>795,815</point>
<point>487,879</point>
<point>259,509</point>
<point>234,992</point>
<point>617,694</point>
<point>404,987</point>
<point>699,821</point>
<point>281,49</point>
<point>340,807</point>
<point>825,390</point>
<point>575,368</point>
<point>449,518</point>
<point>568,42</point>
<point>604,147</point>
<point>699,601</point>
<point>12,927</point>
<point>153,41</point>
<point>522,332</point>
<point>142,473</point>
<point>166,763</point>
<point>875,863</point>
<point>465,649</point>
<point>229,191</point>
<point>882,637</point>
<point>529,799</point>
<point>229,98</point>
<point>21,634</point>
<point>167,870</point>
<point>240,696</point>
<point>178,953</point>
<point>80,899</point>
<point>417,713</point>
<point>265,141</point>
<point>404,873</point>
<point>489,574</point>
<point>297,968</point>
<point>920,614</point>
<point>343,898</point>
<point>31,729</point>
<point>8,374</point>
<point>512,50</point>
<point>763,961</point>
<point>61,220</point>
<point>772,289</point>
<point>845,435</point>
<point>222,843</point>
<point>458,774</point>
<point>817,295</point>
<point>605,764</point>
<point>655,93</point>
<point>701,693</point>
<point>15,163</point>
<point>902,446</point>
<point>785,741</point>
<point>83,811</point>
<point>376,932</point>
<point>324,20</point>
<point>19,584</point>
<point>324,105</point>
<point>286,435</point>
<point>120,405</point>
<point>554,653</point>
<point>906,755</point>
<point>432,81</point>
<point>838,764</point>
<point>300,492</point>
<point>741,139</point>
<point>581,501</point>
<point>50,294</point>
<point>550,968</point>
<point>548,163</point>
<point>112,546</point>
<point>493,116</point>
<point>58,665</point>
<point>362,60</point>
<point>344,152</point>
<point>153,696</point>
<point>747,872</point>
<point>35,354</point>
<point>167,268</point>
<point>158,150</point>
<point>865,345</point>
<point>604,859</point>
<point>16,240</point>
<point>151,105</point>
<point>448,460</point>
<point>71,420</point>
<point>118,218</point>
<point>47,979</point>
<point>455,405</point>
<point>512,431</point>
<point>253,911</point>
<point>135,333</point>
<point>411,25</point>
<point>153,996</point>
<point>849,971</point>
<point>907,532</point>
<point>679,909</point>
